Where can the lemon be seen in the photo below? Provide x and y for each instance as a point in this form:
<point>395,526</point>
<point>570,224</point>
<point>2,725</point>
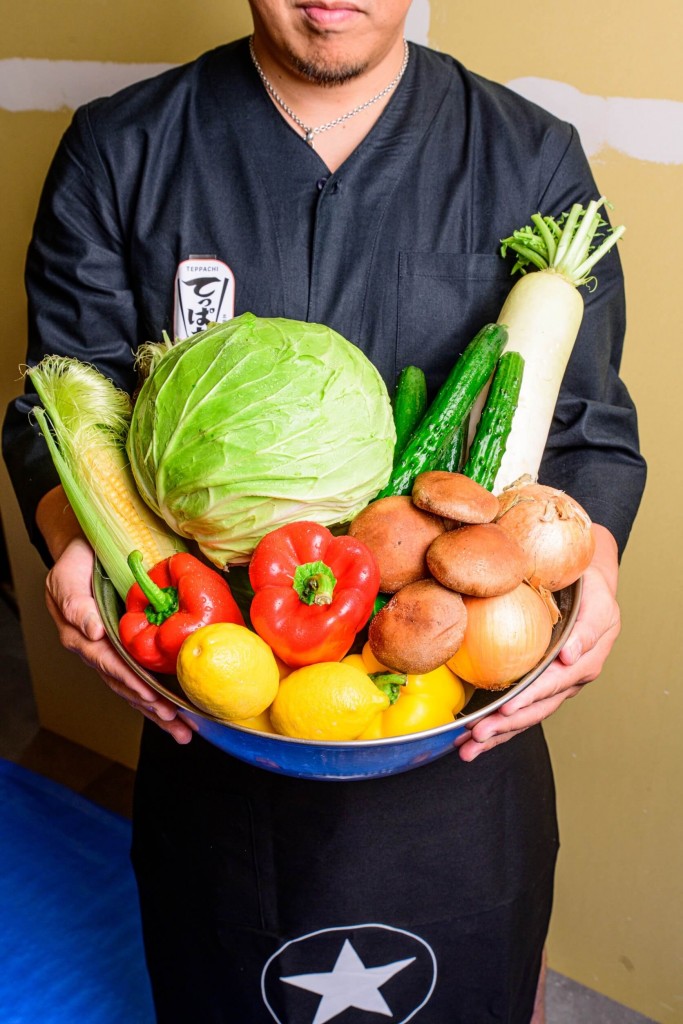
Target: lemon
<point>327,701</point>
<point>259,723</point>
<point>227,670</point>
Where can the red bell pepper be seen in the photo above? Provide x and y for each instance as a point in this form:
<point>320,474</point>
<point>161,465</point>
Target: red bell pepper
<point>179,595</point>
<point>312,592</point>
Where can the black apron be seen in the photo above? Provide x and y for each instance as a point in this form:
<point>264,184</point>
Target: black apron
<point>423,896</point>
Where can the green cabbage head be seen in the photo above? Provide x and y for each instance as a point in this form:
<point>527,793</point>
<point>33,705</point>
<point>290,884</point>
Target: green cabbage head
<point>259,422</point>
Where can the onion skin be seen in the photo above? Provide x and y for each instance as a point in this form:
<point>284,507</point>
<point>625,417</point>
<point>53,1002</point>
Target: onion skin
<point>553,529</point>
<point>505,637</point>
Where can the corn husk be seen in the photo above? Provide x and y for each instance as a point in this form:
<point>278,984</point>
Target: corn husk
<point>84,419</point>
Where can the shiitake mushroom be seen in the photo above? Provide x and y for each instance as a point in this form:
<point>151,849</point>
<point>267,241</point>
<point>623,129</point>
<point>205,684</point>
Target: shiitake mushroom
<point>481,560</point>
<point>398,534</point>
<point>454,496</point>
<point>420,628</point>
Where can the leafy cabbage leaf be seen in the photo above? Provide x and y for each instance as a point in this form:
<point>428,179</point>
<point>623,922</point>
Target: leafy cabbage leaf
<point>259,422</point>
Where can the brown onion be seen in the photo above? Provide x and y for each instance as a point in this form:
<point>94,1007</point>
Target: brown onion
<point>505,637</point>
<point>553,529</point>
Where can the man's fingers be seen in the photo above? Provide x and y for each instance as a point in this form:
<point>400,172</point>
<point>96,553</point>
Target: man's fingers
<point>167,719</point>
<point>597,619</point>
<point>496,729</point>
<point>152,705</point>
<point>586,636</point>
<point>77,609</point>
<point>69,599</point>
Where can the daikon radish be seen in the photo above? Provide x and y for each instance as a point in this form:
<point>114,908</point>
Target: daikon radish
<point>543,313</point>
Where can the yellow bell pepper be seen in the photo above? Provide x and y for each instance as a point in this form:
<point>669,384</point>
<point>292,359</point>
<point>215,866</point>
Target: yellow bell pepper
<point>424,701</point>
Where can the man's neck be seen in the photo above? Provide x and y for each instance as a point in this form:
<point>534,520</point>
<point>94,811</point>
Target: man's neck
<point>316,105</point>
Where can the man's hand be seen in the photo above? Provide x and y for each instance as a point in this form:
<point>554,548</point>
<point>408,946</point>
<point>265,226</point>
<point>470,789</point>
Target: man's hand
<point>579,662</point>
<point>71,604</point>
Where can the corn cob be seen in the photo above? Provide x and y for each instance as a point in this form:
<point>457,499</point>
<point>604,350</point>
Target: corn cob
<point>85,420</point>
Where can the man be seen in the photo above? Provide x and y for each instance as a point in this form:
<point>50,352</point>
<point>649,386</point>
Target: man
<point>344,178</point>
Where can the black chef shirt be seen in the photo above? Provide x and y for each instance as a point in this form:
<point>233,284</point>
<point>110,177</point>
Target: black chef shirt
<point>398,250</point>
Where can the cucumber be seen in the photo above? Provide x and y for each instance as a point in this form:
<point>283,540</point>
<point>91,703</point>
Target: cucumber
<point>451,405</point>
<point>409,403</point>
<point>493,429</point>
<point>453,452</point>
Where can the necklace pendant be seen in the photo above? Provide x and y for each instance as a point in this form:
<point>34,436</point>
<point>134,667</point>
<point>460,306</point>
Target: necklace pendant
<point>309,133</point>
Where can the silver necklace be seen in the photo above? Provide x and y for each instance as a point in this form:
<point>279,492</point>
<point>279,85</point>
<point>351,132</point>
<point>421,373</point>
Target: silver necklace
<point>309,132</point>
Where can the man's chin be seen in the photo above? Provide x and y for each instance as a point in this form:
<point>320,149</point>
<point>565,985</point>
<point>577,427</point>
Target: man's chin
<point>326,72</point>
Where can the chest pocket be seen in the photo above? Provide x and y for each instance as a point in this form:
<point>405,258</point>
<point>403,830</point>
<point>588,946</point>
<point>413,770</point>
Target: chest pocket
<point>443,300</point>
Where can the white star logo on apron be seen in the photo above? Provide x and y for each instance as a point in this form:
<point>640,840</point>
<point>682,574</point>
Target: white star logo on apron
<point>336,974</point>
<point>349,984</point>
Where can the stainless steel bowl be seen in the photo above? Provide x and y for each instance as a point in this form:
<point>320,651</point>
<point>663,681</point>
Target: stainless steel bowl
<point>314,759</point>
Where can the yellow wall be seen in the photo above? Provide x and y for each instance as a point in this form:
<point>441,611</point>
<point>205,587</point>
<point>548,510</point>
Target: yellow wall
<point>617,920</point>
<point>617,924</point>
<point>71,701</point>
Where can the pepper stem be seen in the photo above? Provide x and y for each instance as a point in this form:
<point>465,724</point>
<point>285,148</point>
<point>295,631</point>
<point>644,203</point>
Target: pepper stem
<point>163,600</point>
<point>389,683</point>
<point>314,582</point>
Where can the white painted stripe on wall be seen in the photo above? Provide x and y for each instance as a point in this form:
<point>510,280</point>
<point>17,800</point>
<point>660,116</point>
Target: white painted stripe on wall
<point>646,129</point>
<point>417,22</point>
<point>29,84</point>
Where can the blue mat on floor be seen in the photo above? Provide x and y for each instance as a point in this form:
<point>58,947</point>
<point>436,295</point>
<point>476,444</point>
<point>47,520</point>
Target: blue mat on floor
<point>70,941</point>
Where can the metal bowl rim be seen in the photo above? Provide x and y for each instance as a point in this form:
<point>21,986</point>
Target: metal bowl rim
<point>100,582</point>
